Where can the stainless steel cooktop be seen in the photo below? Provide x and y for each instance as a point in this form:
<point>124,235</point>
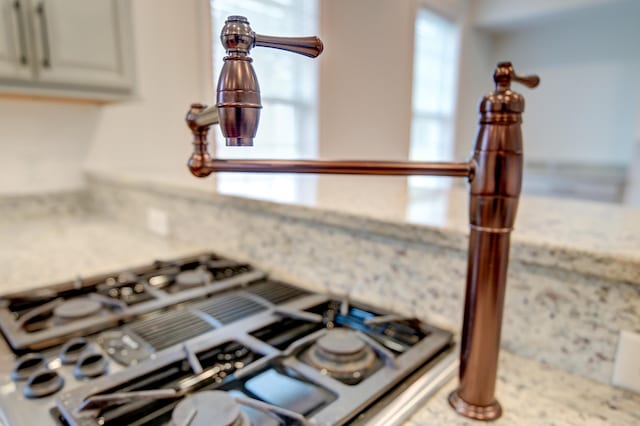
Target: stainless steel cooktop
<point>205,340</point>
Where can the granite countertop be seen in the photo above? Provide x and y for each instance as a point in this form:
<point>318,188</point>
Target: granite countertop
<point>593,238</point>
<point>584,236</point>
<point>47,250</point>
<point>534,394</point>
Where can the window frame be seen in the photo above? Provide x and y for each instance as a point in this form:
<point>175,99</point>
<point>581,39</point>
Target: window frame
<point>446,118</point>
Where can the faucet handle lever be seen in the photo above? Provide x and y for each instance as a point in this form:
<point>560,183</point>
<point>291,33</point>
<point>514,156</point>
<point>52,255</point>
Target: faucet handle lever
<point>238,39</point>
<point>531,81</point>
<point>504,74</point>
<point>308,46</point>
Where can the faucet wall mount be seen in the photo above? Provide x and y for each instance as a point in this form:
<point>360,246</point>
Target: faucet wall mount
<point>494,172</point>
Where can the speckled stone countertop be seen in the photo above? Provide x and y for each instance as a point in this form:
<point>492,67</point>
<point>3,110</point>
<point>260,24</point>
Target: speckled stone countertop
<point>593,238</point>
<point>533,394</point>
<point>49,249</point>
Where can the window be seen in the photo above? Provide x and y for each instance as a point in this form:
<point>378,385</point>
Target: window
<point>434,82</point>
<point>288,84</point>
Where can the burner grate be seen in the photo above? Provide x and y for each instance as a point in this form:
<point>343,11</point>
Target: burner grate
<point>170,328</point>
<point>276,292</point>
<point>229,308</point>
<point>220,364</point>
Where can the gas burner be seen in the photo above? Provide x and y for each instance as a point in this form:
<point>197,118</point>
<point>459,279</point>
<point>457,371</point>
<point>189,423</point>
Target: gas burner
<point>47,317</point>
<point>204,340</point>
<point>341,354</point>
<point>194,278</point>
<point>209,408</point>
<point>74,309</point>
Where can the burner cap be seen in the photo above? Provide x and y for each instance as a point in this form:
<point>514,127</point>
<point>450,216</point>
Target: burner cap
<point>342,355</point>
<point>77,308</point>
<point>208,408</point>
<point>340,343</point>
<point>194,278</point>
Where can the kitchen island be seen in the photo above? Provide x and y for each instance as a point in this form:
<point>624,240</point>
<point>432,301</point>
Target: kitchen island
<point>536,386</point>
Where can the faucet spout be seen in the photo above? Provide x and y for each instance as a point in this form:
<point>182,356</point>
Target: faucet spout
<point>238,92</point>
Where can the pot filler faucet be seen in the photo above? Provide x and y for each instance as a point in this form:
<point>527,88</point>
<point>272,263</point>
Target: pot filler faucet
<point>494,173</point>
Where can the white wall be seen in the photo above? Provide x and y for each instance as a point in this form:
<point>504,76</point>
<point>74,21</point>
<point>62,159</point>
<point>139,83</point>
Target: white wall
<point>474,80</point>
<point>365,79</point>
<point>512,13</point>
<point>43,145</point>
<point>148,136</point>
<point>364,107</point>
<point>585,108</point>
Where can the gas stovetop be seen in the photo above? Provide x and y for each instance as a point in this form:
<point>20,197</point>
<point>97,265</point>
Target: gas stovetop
<point>205,340</point>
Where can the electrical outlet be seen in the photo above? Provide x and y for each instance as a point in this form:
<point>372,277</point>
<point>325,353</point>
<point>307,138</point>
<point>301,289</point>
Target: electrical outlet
<point>158,221</point>
<point>626,371</point>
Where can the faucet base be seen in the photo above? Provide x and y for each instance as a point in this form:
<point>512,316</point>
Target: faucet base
<point>476,412</point>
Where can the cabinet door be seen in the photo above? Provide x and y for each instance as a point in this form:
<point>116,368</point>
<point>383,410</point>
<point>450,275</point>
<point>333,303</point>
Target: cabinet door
<point>83,43</point>
<point>14,42</point>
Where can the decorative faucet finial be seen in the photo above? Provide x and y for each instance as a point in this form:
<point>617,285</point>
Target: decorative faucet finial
<point>504,73</point>
<point>237,37</point>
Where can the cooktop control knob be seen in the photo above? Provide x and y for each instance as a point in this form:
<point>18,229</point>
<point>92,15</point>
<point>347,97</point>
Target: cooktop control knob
<point>73,349</point>
<point>27,365</point>
<point>42,383</point>
<point>90,365</point>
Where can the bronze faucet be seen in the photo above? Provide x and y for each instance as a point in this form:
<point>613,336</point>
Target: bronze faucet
<point>494,173</point>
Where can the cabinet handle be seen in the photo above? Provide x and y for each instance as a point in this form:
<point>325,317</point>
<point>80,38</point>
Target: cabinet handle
<point>22,42</point>
<point>44,34</point>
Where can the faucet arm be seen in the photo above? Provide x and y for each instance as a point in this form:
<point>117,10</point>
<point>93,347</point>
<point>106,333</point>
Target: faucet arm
<point>342,167</point>
<point>201,164</point>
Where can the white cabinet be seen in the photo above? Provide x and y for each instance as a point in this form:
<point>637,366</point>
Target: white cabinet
<point>14,44</point>
<point>75,48</point>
